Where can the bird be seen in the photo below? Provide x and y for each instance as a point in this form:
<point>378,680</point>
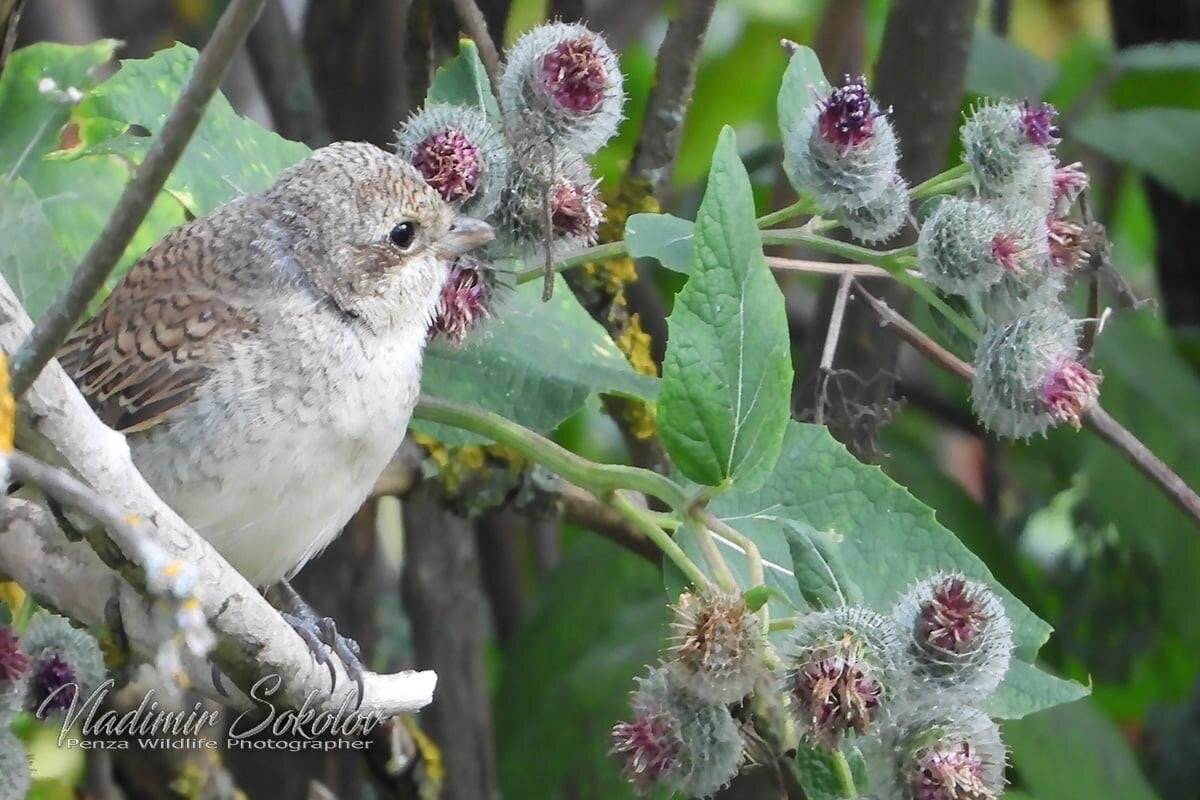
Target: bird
<point>264,360</point>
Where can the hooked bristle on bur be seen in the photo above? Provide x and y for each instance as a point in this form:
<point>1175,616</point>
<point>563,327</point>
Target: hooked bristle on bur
<point>1028,377</point>
<point>549,198</point>
<point>959,635</point>
<point>879,220</point>
<point>676,740</point>
<point>562,83</point>
<point>844,670</point>
<point>459,153</point>
<point>64,661</point>
<point>843,150</point>
<point>1007,146</point>
<point>718,642</point>
<point>937,752</point>
<point>967,246</point>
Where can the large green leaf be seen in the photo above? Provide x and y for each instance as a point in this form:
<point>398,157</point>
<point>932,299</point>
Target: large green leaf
<point>535,363</point>
<point>1000,68</point>
<point>1158,141</point>
<point>727,374</point>
<point>567,675</point>
<point>1073,753</point>
<point>229,155</point>
<point>463,81</point>
<point>38,90</point>
<point>30,258</point>
<point>875,540</point>
<point>1027,688</point>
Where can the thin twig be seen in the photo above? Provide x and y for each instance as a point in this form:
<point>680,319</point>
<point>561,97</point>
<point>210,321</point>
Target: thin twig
<point>826,267</point>
<point>831,342</point>
<point>283,76</point>
<point>674,79</point>
<point>916,337</point>
<point>139,194</point>
<point>10,18</point>
<point>475,25</point>
<point>1101,423</point>
<point>1095,419</point>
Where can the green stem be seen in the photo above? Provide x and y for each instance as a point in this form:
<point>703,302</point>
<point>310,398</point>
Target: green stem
<point>856,252</point>
<point>935,184</point>
<point>948,187</point>
<point>783,623</point>
<point>894,261</point>
<point>845,777</point>
<point>716,562</point>
<point>600,252</point>
<point>804,205</point>
<point>670,548</point>
<point>600,479</point>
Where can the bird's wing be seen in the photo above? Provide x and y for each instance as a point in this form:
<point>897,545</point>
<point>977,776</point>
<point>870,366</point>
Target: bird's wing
<point>143,354</point>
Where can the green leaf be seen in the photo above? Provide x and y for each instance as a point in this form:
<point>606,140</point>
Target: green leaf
<point>1074,753</point>
<point>567,674</point>
<point>883,538</point>
<point>462,81</point>
<point>999,68</point>
<point>819,774</point>
<point>34,119</point>
<point>535,363</point>
<point>727,374</point>
<point>228,155</point>
<point>1026,687</point>
<point>30,258</point>
<point>663,237</point>
<point>1172,56</point>
<point>1158,141</point>
<point>817,562</point>
<point>803,81</point>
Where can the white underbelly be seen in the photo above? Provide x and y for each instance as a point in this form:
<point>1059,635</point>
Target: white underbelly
<point>270,490</point>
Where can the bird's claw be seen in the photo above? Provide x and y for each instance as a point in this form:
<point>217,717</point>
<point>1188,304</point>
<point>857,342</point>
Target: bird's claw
<point>322,637</point>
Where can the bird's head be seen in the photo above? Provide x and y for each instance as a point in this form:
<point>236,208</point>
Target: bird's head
<point>367,230</point>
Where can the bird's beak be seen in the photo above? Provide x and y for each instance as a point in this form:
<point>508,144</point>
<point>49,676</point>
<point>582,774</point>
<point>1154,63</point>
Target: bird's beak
<point>466,233</point>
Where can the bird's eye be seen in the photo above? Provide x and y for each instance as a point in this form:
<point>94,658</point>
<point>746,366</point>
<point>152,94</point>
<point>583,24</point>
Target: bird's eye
<point>403,235</point>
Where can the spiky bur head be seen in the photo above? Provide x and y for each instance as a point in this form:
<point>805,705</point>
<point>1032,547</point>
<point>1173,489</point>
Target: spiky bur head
<point>843,150</point>
<point>460,154</point>
<point>562,83</point>
<point>675,740</point>
<point>1028,376</point>
<point>14,674</point>
<point>552,197</point>
<point>15,778</point>
<point>717,653</point>
<point>844,671</point>
<point>464,300</point>
<point>880,219</point>
<point>959,634</point>
<point>1007,146</point>
<point>967,246</point>
<point>937,753</point>
<point>1069,182</point>
<point>1067,243</point>
<point>64,661</point>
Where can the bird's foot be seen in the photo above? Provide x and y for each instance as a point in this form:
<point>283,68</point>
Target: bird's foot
<point>321,636</point>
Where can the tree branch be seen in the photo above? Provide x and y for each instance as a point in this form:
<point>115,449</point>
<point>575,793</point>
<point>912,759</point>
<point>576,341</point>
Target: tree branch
<point>1095,419</point>
<point>475,25</point>
<point>283,77</point>
<point>135,201</point>
<point>674,79</point>
<point>57,426</point>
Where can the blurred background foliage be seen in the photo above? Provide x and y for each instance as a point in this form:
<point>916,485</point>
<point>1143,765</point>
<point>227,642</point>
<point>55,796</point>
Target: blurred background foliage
<point>559,625</point>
